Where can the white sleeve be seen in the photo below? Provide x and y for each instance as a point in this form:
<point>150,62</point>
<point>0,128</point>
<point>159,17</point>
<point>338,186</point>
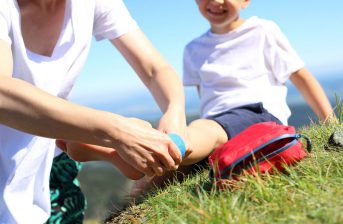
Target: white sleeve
<point>190,76</point>
<point>4,26</point>
<point>112,19</point>
<point>280,55</point>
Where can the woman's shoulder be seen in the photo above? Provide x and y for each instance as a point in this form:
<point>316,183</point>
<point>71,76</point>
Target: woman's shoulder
<point>6,14</point>
<point>5,7</point>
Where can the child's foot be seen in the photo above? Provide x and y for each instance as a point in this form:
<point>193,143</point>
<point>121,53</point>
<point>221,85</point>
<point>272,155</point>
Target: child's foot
<point>147,184</point>
<point>140,188</point>
<point>86,152</point>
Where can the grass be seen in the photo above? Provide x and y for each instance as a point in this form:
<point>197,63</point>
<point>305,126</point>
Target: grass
<point>91,221</point>
<point>339,109</point>
<point>310,192</point>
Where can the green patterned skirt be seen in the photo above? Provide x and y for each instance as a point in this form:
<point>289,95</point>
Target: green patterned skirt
<point>68,203</point>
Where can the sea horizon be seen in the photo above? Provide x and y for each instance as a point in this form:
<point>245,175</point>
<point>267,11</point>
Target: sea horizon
<point>142,105</point>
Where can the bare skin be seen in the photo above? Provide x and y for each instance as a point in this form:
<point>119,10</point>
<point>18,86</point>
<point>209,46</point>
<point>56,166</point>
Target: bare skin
<point>223,15</point>
<point>203,135</point>
<point>314,94</point>
<point>148,150</point>
<point>86,152</point>
<point>42,22</point>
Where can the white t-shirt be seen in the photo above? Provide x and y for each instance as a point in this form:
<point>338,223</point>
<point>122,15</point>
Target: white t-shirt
<point>247,65</point>
<point>25,160</point>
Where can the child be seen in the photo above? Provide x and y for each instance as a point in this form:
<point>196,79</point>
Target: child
<point>240,68</point>
<point>242,62</point>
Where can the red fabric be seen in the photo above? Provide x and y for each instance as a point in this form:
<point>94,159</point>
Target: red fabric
<point>250,139</point>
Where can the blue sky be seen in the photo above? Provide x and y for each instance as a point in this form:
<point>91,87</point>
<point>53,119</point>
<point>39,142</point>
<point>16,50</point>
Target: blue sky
<point>313,27</point>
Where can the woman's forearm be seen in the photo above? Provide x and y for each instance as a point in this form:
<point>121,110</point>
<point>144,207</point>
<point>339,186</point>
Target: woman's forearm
<point>167,90</point>
<point>29,109</point>
<point>159,77</point>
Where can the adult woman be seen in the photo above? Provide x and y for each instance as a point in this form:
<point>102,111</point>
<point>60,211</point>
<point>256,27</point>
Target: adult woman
<point>43,46</point>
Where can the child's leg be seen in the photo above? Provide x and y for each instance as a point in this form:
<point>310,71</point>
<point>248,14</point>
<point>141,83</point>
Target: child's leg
<point>86,152</point>
<point>203,137</point>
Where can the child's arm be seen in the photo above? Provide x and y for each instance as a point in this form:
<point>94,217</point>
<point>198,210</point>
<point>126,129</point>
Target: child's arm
<point>313,93</point>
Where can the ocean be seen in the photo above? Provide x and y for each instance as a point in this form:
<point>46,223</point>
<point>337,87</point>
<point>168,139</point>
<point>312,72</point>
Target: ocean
<point>142,104</point>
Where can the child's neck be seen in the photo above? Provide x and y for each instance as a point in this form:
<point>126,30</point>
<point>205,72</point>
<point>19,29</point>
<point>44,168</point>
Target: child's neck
<point>218,29</point>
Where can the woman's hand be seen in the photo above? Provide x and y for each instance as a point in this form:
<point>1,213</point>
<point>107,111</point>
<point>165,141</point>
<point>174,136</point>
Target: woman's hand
<point>148,150</point>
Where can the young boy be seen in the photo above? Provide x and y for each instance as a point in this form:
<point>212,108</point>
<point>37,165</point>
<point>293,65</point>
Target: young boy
<point>240,68</point>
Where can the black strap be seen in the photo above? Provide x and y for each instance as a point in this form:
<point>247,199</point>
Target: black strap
<point>308,142</point>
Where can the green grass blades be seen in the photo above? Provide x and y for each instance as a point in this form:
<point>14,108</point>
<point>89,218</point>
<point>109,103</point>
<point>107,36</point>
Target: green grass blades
<point>339,109</point>
<point>310,192</point>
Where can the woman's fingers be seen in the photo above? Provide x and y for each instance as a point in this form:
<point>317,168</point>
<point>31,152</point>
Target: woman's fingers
<point>157,167</point>
<point>148,150</point>
<point>175,153</point>
<point>145,166</point>
<point>149,160</point>
<point>169,157</point>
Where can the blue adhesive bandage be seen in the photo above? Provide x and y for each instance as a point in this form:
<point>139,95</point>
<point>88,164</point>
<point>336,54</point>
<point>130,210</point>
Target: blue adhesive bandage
<point>179,143</point>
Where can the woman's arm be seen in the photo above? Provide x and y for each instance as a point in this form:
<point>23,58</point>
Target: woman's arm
<point>159,77</point>
<point>313,93</point>
<point>29,109</point>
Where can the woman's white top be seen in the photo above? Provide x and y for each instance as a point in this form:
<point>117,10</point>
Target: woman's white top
<point>25,160</point>
<point>247,65</point>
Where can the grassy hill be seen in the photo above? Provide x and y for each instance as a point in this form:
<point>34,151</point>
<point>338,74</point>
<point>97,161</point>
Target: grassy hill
<point>310,192</point>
